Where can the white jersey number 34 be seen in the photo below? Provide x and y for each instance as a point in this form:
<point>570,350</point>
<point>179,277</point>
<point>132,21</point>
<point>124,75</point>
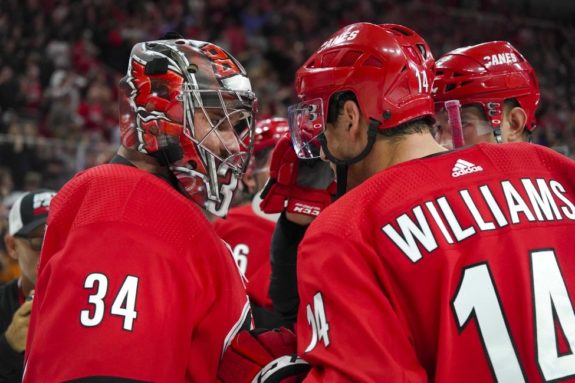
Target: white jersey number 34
<point>124,303</point>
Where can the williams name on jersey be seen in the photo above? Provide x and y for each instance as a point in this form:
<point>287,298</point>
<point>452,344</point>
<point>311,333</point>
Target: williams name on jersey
<point>487,207</point>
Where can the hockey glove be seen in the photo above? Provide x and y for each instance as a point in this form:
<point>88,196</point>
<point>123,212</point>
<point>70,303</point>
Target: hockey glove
<point>306,185</point>
<point>262,356</point>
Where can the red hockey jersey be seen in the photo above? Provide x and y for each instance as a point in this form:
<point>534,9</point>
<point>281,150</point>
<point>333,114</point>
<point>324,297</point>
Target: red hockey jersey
<point>249,232</point>
<point>453,268</point>
<point>133,282</point>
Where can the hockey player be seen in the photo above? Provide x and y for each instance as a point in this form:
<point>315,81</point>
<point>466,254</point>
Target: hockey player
<point>434,266</point>
<point>497,89</point>
<point>248,230</point>
<point>134,284</point>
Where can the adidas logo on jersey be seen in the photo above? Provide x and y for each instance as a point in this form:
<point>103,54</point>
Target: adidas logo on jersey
<point>463,167</point>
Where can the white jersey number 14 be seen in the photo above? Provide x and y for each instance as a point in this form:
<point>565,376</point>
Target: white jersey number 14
<point>477,298</point>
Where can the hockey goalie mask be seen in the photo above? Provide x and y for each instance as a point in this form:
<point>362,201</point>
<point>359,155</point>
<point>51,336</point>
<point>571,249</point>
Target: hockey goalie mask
<point>185,102</point>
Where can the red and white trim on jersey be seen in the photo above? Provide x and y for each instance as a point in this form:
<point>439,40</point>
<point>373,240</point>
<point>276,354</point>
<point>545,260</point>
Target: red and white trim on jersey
<point>243,323</point>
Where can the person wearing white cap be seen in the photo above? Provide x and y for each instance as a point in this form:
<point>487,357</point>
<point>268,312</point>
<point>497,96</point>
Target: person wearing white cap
<point>26,226</point>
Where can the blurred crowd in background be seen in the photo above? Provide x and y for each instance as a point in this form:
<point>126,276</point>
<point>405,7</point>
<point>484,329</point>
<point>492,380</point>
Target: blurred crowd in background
<point>60,62</point>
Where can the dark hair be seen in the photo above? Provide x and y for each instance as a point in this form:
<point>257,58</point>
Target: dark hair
<point>510,103</point>
<point>417,126</point>
<point>336,102</point>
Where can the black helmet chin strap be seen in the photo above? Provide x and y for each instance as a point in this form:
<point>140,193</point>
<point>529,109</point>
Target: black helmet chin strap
<point>497,134</point>
<point>342,165</point>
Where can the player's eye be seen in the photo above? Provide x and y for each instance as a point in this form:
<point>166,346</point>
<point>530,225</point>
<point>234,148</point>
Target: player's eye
<point>436,130</point>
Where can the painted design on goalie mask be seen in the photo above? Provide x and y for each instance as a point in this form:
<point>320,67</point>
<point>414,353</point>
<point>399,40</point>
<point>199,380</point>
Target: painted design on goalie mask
<point>191,76</point>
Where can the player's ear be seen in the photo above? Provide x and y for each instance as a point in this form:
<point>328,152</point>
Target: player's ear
<point>352,117</point>
<point>517,119</point>
<point>10,243</point>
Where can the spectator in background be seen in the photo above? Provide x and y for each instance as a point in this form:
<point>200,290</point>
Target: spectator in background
<point>94,110</point>
<point>20,152</point>
<point>73,44</point>
<point>6,184</point>
<point>31,88</point>
<point>23,242</point>
<point>8,266</point>
<point>9,88</point>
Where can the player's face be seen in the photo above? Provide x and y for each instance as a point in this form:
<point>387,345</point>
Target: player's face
<point>475,126</point>
<point>342,146</point>
<point>220,140</point>
<point>28,252</point>
<point>338,140</point>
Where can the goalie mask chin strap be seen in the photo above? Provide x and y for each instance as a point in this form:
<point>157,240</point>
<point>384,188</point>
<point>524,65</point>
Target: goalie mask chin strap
<point>342,165</point>
<point>168,154</point>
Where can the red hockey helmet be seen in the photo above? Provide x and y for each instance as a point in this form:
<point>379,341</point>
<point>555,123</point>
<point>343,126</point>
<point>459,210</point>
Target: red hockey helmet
<point>268,132</point>
<point>266,136</point>
<point>184,102</point>
<point>486,75</point>
<point>388,67</point>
